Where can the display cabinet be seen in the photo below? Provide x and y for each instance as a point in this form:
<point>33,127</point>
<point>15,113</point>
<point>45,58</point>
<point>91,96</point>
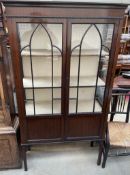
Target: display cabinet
<point>64,58</point>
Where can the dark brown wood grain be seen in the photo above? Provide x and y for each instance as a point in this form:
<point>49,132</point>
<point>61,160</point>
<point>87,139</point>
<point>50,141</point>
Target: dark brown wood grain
<point>121,82</point>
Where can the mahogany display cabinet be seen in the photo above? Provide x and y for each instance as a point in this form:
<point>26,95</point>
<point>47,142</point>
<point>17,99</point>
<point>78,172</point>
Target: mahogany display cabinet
<point>64,57</point>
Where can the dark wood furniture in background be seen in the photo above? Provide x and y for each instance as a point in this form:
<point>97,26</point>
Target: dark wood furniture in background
<point>9,152</point>
<point>123,62</point>
<point>125,44</point>
<point>7,63</point>
<point>121,85</point>
<point>121,82</point>
<point>57,51</point>
<point>117,134</point>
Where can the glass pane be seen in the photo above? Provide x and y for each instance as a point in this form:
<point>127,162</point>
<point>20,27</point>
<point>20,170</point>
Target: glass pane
<point>72,100</point>
<point>85,100</point>
<point>90,47</point>
<point>41,56</point>
<point>43,101</point>
<point>57,100</point>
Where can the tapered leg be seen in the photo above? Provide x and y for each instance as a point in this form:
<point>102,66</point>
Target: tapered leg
<point>100,153</point>
<point>91,143</point>
<point>24,157</point>
<point>29,148</point>
<point>105,155</point>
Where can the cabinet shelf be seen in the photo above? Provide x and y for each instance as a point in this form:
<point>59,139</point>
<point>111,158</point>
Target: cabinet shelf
<point>75,53</point>
<point>86,81</point>
<point>40,53</point>
<point>84,106</point>
<point>40,82</point>
<point>43,107</point>
<point>46,107</point>
<point>89,52</point>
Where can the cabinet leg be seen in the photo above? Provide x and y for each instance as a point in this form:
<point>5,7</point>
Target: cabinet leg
<point>29,148</point>
<point>92,143</point>
<point>24,158</point>
<point>100,153</point>
<point>105,156</point>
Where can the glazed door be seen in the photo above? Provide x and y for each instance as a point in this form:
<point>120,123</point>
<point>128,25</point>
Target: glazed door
<point>61,71</point>
<point>89,55</point>
<point>40,74</point>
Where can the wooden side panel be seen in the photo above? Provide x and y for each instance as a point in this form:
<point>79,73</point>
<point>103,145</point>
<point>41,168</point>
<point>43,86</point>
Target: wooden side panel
<point>81,127</point>
<point>44,128</point>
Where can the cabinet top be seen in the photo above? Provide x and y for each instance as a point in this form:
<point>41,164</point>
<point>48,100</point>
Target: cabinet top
<point>82,2</point>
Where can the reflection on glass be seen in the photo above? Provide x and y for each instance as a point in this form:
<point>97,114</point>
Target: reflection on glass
<point>88,66</point>
<point>41,54</point>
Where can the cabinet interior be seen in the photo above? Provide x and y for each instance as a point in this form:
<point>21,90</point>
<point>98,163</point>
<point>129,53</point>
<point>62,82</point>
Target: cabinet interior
<point>42,58</point>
